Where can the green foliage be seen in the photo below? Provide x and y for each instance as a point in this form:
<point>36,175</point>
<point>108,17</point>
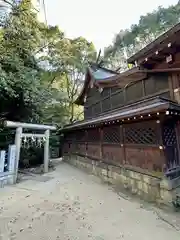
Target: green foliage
<point>20,76</point>
<point>41,71</point>
<point>132,40</point>
<point>69,67</point>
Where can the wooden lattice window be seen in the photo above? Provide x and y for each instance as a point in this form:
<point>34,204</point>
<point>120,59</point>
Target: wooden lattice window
<point>97,109</point>
<point>70,137</point>
<point>88,112</point>
<point>81,136</point>
<point>111,134</point>
<point>106,104</point>
<point>93,96</point>
<point>156,83</point>
<point>134,91</point>
<point>114,89</point>
<point>85,112</point>
<point>178,81</point>
<point>93,135</point>
<point>140,134</point>
<point>117,99</point>
<point>169,135</point>
<point>105,92</point>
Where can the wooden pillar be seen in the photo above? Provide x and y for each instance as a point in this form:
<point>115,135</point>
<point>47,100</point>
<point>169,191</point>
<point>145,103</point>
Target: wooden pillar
<point>101,142</point>
<point>159,129</point>
<point>174,84</point>
<point>2,160</point>
<point>123,143</point>
<point>86,142</point>
<point>18,149</point>
<point>171,87</point>
<point>46,151</point>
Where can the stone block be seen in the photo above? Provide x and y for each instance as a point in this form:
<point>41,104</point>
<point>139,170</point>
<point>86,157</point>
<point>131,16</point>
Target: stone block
<point>115,169</point>
<point>146,179</point>
<point>116,176</point>
<point>104,172</point>
<point>133,185</point>
<point>140,185</point>
<point>165,184</point>
<point>98,171</point>
<point>103,165</point>
<point>154,193</point>
<point>110,173</point>
<point>139,192</point>
<point>135,175</point>
<point>105,178</point>
<point>10,180</point>
<point>124,178</point>
<point>166,196</point>
<point>145,187</point>
<point>175,183</point>
<point>126,185</point>
<point>125,172</point>
<point>111,180</point>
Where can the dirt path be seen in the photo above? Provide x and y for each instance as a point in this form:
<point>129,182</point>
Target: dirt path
<point>71,205</point>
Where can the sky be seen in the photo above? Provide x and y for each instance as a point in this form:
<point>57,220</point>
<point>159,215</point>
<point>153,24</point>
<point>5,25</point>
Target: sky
<point>98,21</point>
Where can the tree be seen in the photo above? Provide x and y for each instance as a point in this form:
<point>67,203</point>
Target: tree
<point>21,89</point>
<point>71,64</point>
<point>41,70</point>
<point>139,35</point>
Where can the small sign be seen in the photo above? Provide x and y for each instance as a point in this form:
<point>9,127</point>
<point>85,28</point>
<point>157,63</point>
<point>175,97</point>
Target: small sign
<point>100,90</point>
<point>12,158</point>
<point>169,59</point>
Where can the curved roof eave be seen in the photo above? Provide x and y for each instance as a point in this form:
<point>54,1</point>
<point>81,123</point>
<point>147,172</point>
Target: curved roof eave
<point>90,76</point>
<point>154,44</point>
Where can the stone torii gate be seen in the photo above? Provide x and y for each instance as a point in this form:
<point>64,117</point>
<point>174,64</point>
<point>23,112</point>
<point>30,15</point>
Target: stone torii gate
<point>20,135</point>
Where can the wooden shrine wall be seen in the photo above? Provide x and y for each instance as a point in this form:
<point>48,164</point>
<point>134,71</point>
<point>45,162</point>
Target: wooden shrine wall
<point>135,144</point>
<point>109,99</point>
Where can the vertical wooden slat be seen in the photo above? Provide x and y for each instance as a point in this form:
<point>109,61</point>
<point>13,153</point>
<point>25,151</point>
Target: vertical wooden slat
<point>177,130</point>
<point>124,95</point>
<point>159,131</point>
<point>171,86</point>
<point>160,141</point>
<point>101,106</point>
<point>86,142</point>
<point>143,88</point>
<point>123,143</point>
<point>101,139</point>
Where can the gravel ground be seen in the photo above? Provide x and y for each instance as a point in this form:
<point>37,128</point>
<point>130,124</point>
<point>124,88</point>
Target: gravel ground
<point>68,204</point>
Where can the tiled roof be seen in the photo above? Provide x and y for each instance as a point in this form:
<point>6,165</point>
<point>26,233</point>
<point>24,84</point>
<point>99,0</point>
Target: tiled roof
<point>101,74</point>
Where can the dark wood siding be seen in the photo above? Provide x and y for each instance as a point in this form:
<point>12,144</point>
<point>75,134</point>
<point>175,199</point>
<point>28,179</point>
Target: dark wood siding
<point>134,144</point>
<point>100,102</point>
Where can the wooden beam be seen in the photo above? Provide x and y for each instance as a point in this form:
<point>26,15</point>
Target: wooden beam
<point>31,135</point>
<point>28,126</point>
<point>163,40</point>
<point>163,70</point>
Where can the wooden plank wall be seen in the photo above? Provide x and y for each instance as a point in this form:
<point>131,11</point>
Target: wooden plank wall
<point>121,151</point>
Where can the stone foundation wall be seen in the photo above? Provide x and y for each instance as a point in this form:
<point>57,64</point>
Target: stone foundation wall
<point>150,188</point>
<point>6,179</point>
